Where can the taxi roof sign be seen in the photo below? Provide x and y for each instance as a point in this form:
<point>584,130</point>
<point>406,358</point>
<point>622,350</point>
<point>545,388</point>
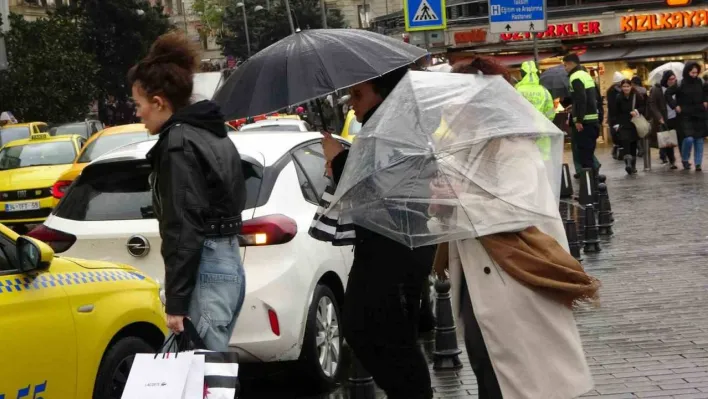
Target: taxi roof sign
<point>39,136</point>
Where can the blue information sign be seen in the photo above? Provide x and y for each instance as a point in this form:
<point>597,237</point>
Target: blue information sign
<point>517,16</point>
<point>424,15</point>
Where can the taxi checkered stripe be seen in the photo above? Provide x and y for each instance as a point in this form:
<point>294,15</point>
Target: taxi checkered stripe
<point>46,280</point>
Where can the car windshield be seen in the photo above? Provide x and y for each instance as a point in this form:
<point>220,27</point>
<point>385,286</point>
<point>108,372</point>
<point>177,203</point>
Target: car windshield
<point>272,128</point>
<point>50,153</point>
<point>8,134</point>
<point>103,144</point>
<point>80,128</point>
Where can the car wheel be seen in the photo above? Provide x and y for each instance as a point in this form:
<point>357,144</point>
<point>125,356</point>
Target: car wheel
<point>321,356</point>
<point>115,367</point>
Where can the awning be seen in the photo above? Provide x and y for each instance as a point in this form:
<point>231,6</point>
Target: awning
<point>518,59</point>
<point>604,54</point>
<point>659,50</point>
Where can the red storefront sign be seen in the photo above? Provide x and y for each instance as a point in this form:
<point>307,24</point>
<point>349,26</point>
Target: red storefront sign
<point>558,31</point>
<point>471,36</point>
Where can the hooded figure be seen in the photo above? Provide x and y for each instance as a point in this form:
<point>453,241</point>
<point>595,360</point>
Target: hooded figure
<point>689,99</point>
<point>530,87</point>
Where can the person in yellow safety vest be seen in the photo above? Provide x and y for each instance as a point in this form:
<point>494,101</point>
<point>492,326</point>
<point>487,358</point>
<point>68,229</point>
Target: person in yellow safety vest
<point>586,119</point>
<point>530,87</point>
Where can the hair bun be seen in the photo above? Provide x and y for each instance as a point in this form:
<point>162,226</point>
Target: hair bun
<point>174,48</point>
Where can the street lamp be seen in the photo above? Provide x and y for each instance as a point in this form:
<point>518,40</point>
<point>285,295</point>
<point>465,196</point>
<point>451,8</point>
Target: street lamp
<point>245,24</point>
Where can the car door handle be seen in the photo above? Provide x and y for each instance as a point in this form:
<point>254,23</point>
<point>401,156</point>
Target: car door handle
<point>85,309</point>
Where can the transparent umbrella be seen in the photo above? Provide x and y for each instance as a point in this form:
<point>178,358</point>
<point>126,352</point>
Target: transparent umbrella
<point>451,156</point>
<point>657,73</point>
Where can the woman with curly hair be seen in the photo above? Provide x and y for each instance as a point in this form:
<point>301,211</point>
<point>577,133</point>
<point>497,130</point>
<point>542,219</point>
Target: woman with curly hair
<point>198,192</point>
<point>512,289</point>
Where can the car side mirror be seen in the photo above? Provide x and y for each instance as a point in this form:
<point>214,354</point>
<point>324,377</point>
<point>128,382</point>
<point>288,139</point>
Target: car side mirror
<point>33,254</point>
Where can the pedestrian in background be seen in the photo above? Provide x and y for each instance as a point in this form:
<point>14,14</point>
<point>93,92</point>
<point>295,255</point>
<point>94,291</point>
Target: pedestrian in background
<point>612,94</point>
<point>639,88</point>
<point>198,193</point>
<point>690,100</point>
<point>663,117</point>
<point>585,118</point>
<point>382,301</point>
<point>629,104</point>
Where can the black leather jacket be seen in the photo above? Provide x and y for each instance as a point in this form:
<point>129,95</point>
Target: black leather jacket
<point>196,178</point>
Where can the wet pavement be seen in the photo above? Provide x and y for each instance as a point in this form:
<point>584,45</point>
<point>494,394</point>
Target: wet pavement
<point>649,337</point>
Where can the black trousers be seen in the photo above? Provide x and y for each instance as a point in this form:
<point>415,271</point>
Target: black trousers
<point>487,384</point>
<point>586,143</point>
<point>381,317</point>
<point>629,147</point>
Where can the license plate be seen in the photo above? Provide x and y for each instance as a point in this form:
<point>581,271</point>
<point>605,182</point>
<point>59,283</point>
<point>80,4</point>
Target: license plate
<point>23,206</point>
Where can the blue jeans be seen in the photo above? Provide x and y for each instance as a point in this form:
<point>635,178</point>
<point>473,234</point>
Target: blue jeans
<point>219,293</point>
<point>689,142</point>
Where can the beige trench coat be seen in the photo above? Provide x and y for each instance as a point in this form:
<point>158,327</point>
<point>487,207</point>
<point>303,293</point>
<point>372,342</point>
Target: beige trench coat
<point>533,342</point>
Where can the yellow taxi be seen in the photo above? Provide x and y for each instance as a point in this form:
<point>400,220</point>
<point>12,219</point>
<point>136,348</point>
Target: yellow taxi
<point>351,127</point>
<point>19,131</point>
<point>70,327</point>
<point>99,144</point>
<point>28,170</point>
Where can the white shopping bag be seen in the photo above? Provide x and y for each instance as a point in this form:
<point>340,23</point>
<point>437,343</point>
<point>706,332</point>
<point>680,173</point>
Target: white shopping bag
<point>158,377</point>
<point>194,387</point>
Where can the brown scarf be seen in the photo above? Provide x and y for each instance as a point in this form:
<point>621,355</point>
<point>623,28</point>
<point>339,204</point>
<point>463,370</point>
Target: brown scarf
<point>537,260</point>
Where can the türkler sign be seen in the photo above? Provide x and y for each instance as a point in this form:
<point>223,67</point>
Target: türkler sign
<point>558,31</point>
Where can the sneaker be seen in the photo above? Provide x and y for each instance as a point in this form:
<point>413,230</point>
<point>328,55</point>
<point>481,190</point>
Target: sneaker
<point>673,167</point>
<point>686,165</point>
<point>664,161</point>
<point>698,168</point>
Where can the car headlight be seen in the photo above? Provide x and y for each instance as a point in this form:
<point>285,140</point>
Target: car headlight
<point>162,292</point>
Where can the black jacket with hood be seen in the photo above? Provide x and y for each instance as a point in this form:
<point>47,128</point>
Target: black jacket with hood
<point>196,179</point>
<point>690,94</point>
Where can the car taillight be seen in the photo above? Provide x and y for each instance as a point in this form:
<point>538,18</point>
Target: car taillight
<point>274,323</point>
<point>267,230</point>
<point>59,188</point>
<point>58,240</point>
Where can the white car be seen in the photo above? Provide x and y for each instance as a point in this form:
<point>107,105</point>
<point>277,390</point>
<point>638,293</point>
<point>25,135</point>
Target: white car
<point>277,125</point>
<point>294,283</point>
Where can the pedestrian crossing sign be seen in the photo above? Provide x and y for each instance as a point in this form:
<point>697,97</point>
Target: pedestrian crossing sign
<point>424,15</point>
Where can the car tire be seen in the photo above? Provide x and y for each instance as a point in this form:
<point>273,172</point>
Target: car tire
<point>328,336</point>
<point>115,367</point>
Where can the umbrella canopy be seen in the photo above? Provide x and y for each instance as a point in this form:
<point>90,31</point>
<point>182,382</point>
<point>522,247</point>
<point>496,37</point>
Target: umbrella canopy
<point>451,156</point>
<point>656,74</point>
<point>556,81</point>
<point>310,64</point>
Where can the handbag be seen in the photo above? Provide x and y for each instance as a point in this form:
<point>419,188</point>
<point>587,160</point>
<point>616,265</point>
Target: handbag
<point>220,372</point>
<point>667,138</point>
<point>639,121</point>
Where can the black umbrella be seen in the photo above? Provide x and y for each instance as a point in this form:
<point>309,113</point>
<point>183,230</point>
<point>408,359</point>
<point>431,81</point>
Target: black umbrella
<point>310,64</point>
<point>556,81</point>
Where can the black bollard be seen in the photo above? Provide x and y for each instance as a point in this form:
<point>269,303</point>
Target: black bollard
<point>603,179</point>
<point>604,216</point>
<point>580,213</point>
<point>566,182</point>
<point>587,185</point>
<point>446,355</point>
<point>361,383</point>
<point>571,232</point>
<point>592,235</point>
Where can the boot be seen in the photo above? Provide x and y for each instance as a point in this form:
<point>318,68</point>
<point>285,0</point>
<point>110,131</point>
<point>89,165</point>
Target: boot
<point>628,164</point>
<point>634,165</point>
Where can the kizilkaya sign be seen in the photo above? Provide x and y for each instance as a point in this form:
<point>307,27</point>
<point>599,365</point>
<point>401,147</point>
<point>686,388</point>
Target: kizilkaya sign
<point>664,21</point>
<point>559,31</point>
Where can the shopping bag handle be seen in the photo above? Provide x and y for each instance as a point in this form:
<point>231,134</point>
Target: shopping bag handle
<point>191,335</point>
